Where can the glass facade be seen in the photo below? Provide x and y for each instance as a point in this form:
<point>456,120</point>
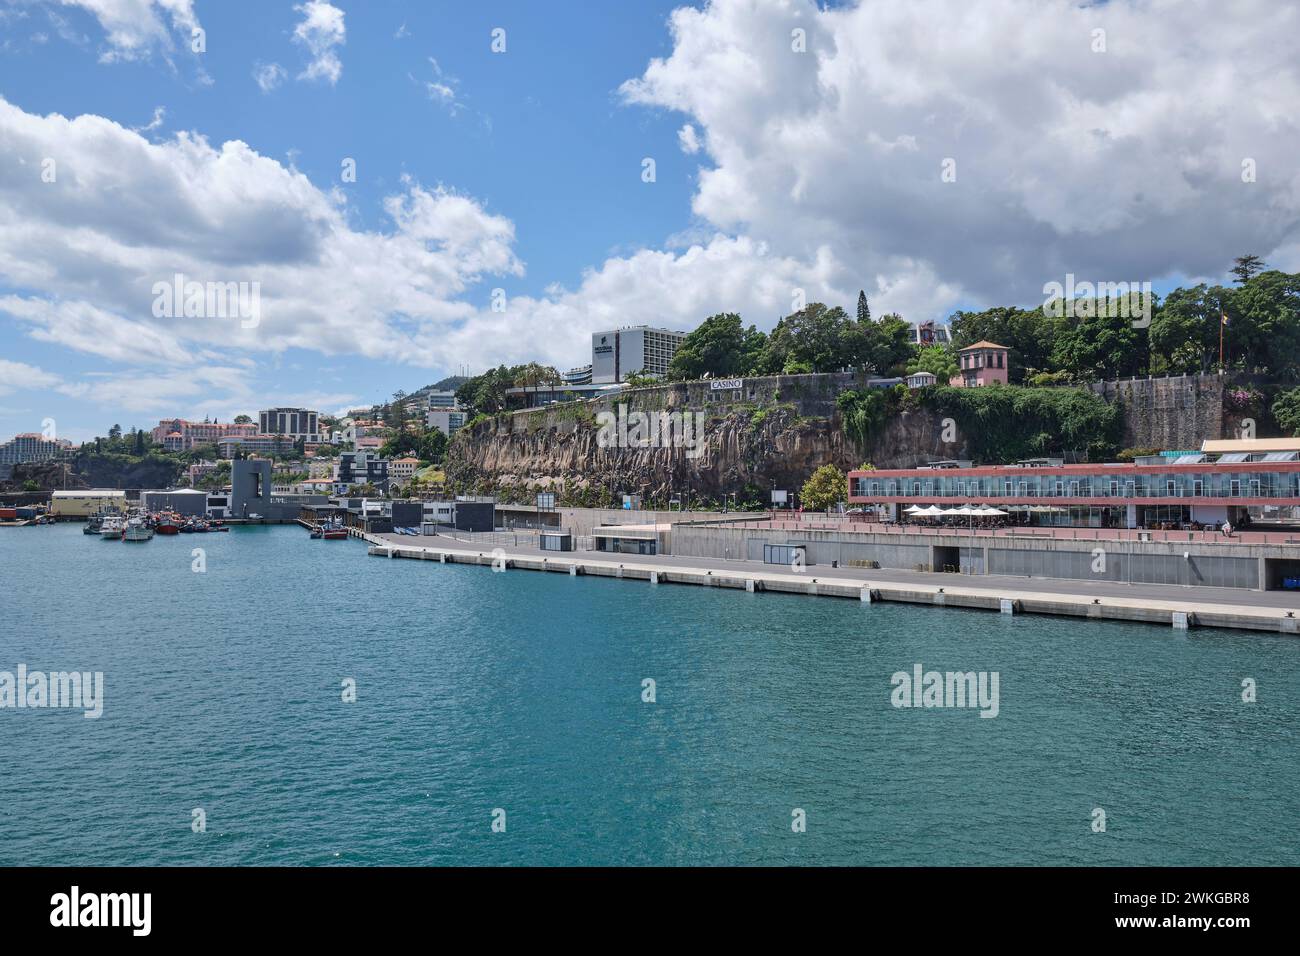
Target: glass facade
<point>1205,485</point>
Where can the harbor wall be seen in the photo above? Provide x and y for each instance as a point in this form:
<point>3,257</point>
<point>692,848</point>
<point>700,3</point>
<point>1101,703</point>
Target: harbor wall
<point>1148,562</point>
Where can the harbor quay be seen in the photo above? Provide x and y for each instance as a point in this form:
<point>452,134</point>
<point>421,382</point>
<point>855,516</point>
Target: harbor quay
<point>1162,604</point>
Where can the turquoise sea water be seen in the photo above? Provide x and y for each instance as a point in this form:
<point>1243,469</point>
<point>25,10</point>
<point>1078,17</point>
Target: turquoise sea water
<point>522,691</point>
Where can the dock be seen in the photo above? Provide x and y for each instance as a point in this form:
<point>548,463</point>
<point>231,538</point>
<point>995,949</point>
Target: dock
<point>1009,596</point>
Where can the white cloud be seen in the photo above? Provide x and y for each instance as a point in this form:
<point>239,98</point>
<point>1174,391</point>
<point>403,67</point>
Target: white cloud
<point>688,139</point>
<point>17,376</point>
<point>321,32</point>
<point>268,75</point>
<point>82,254</point>
<point>159,114</point>
<point>443,89</point>
<point>1123,165</point>
<point>134,28</point>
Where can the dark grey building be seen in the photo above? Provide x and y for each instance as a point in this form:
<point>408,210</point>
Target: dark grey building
<point>250,487</point>
<point>360,467</point>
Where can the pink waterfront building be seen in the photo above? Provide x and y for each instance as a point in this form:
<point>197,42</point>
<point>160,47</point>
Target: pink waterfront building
<point>981,364</point>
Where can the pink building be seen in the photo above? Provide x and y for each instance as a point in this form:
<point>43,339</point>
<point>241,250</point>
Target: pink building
<point>177,434</point>
<point>981,364</point>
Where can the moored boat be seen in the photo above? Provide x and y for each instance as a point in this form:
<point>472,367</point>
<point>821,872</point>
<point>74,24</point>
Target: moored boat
<point>137,530</point>
<point>111,528</point>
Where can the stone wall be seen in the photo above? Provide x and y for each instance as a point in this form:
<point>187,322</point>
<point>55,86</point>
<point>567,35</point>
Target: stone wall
<point>1177,412</point>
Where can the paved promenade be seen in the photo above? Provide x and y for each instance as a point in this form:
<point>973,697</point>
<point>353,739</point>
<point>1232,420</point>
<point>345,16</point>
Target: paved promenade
<point>1151,603</point>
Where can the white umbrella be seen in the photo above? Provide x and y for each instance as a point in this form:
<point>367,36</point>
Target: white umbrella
<point>933,511</point>
<point>987,512</point>
<point>914,509</point>
<point>965,510</point>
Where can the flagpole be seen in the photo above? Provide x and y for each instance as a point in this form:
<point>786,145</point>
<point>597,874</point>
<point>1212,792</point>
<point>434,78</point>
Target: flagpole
<point>1222,315</point>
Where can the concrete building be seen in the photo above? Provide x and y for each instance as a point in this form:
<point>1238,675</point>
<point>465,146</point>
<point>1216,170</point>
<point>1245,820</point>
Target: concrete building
<point>85,502</point>
<point>443,399</point>
<point>360,468</point>
<point>250,487</point>
<point>577,376</point>
<point>929,333</point>
<point>446,420</point>
<point>179,434</point>
<point>183,501</point>
<point>921,380</point>
<point>403,469</point>
<point>981,364</point>
<point>256,445</point>
<point>32,446</point>
<point>474,516</point>
<point>617,354</point>
<point>293,422</point>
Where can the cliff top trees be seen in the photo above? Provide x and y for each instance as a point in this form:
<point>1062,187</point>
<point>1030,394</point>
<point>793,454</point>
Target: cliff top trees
<point>822,339</point>
<point>721,347</point>
<point>939,360</point>
<point>1246,267</point>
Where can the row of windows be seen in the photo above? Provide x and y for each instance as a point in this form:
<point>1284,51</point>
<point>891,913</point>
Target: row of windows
<point>1195,485</point>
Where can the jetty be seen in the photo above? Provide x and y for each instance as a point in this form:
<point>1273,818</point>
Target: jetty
<point>1166,605</point>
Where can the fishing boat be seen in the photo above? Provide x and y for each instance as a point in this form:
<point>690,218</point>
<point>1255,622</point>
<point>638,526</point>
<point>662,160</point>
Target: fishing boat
<point>314,533</point>
<point>334,534</point>
<point>137,530</point>
<point>111,528</point>
<point>168,524</point>
<point>93,524</point>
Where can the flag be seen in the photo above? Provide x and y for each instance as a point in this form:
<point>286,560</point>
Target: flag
<point>1223,316</point>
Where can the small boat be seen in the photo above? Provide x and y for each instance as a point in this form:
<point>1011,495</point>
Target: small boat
<point>315,533</point>
<point>167,524</point>
<point>111,528</point>
<point>137,530</point>
<point>93,524</point>
<point>334,534</point>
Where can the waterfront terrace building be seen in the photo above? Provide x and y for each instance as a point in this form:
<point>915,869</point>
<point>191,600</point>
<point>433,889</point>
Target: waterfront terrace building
<point>1231,481</point>
<point>32,446</point>
<point>293,422</point>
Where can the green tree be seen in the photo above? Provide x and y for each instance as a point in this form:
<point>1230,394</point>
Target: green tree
<point>1286,410</point>
<point>243,420</point>
<point>1246,267</point>
<point>864,310</point>
<point>639,380</point>
<point>720,346</point>
<point>939,360</point>
<point>1184,332</point>
<point>1093,346</point>
<point>1263,333</point>
<point>824,488</point>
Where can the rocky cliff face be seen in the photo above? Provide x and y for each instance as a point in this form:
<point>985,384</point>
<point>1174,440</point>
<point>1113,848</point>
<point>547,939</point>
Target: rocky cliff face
<point>735,453</point>
<point>745,448</point>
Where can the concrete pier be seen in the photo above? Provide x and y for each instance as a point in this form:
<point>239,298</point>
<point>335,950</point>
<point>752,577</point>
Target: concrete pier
<point>929,588</point>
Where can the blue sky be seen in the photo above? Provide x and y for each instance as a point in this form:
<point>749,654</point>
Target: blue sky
<point>797,150</point>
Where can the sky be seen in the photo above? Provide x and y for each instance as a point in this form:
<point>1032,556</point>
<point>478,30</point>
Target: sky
<point>416,189</point>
